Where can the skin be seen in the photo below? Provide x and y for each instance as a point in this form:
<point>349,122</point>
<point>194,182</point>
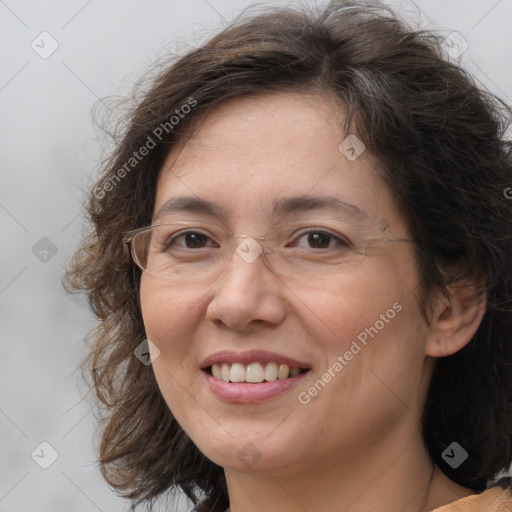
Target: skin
<point>356,446</point>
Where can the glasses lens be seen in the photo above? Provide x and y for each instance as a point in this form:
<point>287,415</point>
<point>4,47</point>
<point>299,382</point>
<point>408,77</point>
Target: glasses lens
<point>169,250</point>
<point>319,254</point>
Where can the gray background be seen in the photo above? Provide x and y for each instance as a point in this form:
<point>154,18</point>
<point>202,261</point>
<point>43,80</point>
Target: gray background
<point>49,149</point>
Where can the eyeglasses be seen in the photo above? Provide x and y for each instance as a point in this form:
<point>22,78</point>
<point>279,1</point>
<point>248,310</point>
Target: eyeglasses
<point>183,250</point>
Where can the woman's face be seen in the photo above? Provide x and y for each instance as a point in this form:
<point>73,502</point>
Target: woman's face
<point>351,324</point>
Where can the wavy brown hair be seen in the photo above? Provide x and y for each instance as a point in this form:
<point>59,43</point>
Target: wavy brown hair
<point>440,141</point>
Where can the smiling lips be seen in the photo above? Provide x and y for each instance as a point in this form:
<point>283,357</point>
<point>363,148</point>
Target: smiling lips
<point>253,366</point>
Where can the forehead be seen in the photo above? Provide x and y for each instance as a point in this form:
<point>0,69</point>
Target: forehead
<point>250,153</point>
<point>279,129</point>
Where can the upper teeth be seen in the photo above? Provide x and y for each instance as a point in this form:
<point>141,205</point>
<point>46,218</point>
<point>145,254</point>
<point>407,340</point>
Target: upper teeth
<point>254,372</point>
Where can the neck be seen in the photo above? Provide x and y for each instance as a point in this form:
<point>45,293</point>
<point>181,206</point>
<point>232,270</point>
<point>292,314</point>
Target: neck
<point>401,478</point>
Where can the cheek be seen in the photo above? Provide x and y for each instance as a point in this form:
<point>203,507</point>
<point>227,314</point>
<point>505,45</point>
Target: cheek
<point>168,317</point>
<point>372,321</point>
<point>344,309</point>
<point>370,337</point>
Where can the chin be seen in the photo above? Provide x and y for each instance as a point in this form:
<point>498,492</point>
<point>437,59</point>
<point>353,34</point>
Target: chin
<point>242,447</point>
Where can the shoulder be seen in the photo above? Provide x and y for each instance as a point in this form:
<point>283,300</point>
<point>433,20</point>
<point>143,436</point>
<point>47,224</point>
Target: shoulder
<point>497,498</point>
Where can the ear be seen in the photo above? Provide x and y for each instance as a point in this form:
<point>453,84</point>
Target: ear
<point>456,318</point>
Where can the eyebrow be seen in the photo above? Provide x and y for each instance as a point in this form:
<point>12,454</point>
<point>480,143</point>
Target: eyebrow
<point>290,205</point>
<point>281,207</point>
<point>191,204</point>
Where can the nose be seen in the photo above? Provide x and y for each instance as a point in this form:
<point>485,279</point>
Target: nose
<point>249,293</point>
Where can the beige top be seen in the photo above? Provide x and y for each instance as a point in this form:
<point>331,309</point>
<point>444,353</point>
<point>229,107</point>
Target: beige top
<point>495,499</point>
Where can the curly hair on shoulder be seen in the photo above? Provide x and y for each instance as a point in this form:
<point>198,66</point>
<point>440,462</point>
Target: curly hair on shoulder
<point>440,141</point>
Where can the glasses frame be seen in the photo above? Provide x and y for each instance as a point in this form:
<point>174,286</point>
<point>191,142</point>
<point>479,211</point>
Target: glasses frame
<point>130,235</point>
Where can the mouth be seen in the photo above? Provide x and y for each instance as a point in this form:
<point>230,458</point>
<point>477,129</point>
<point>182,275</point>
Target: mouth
<point>252,376</point>
<point>256,372</point>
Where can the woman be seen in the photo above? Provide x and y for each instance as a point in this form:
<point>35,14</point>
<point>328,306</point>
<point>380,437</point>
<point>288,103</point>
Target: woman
<point>299,264</point>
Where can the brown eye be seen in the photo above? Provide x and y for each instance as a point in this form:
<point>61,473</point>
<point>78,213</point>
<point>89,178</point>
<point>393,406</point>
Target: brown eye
<point>189,240</point>
<point>320,240</point>
<point>194,240</point>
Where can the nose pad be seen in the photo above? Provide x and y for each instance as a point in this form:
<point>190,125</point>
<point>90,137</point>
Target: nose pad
<point>249,249</point>
<point>253,248</point>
